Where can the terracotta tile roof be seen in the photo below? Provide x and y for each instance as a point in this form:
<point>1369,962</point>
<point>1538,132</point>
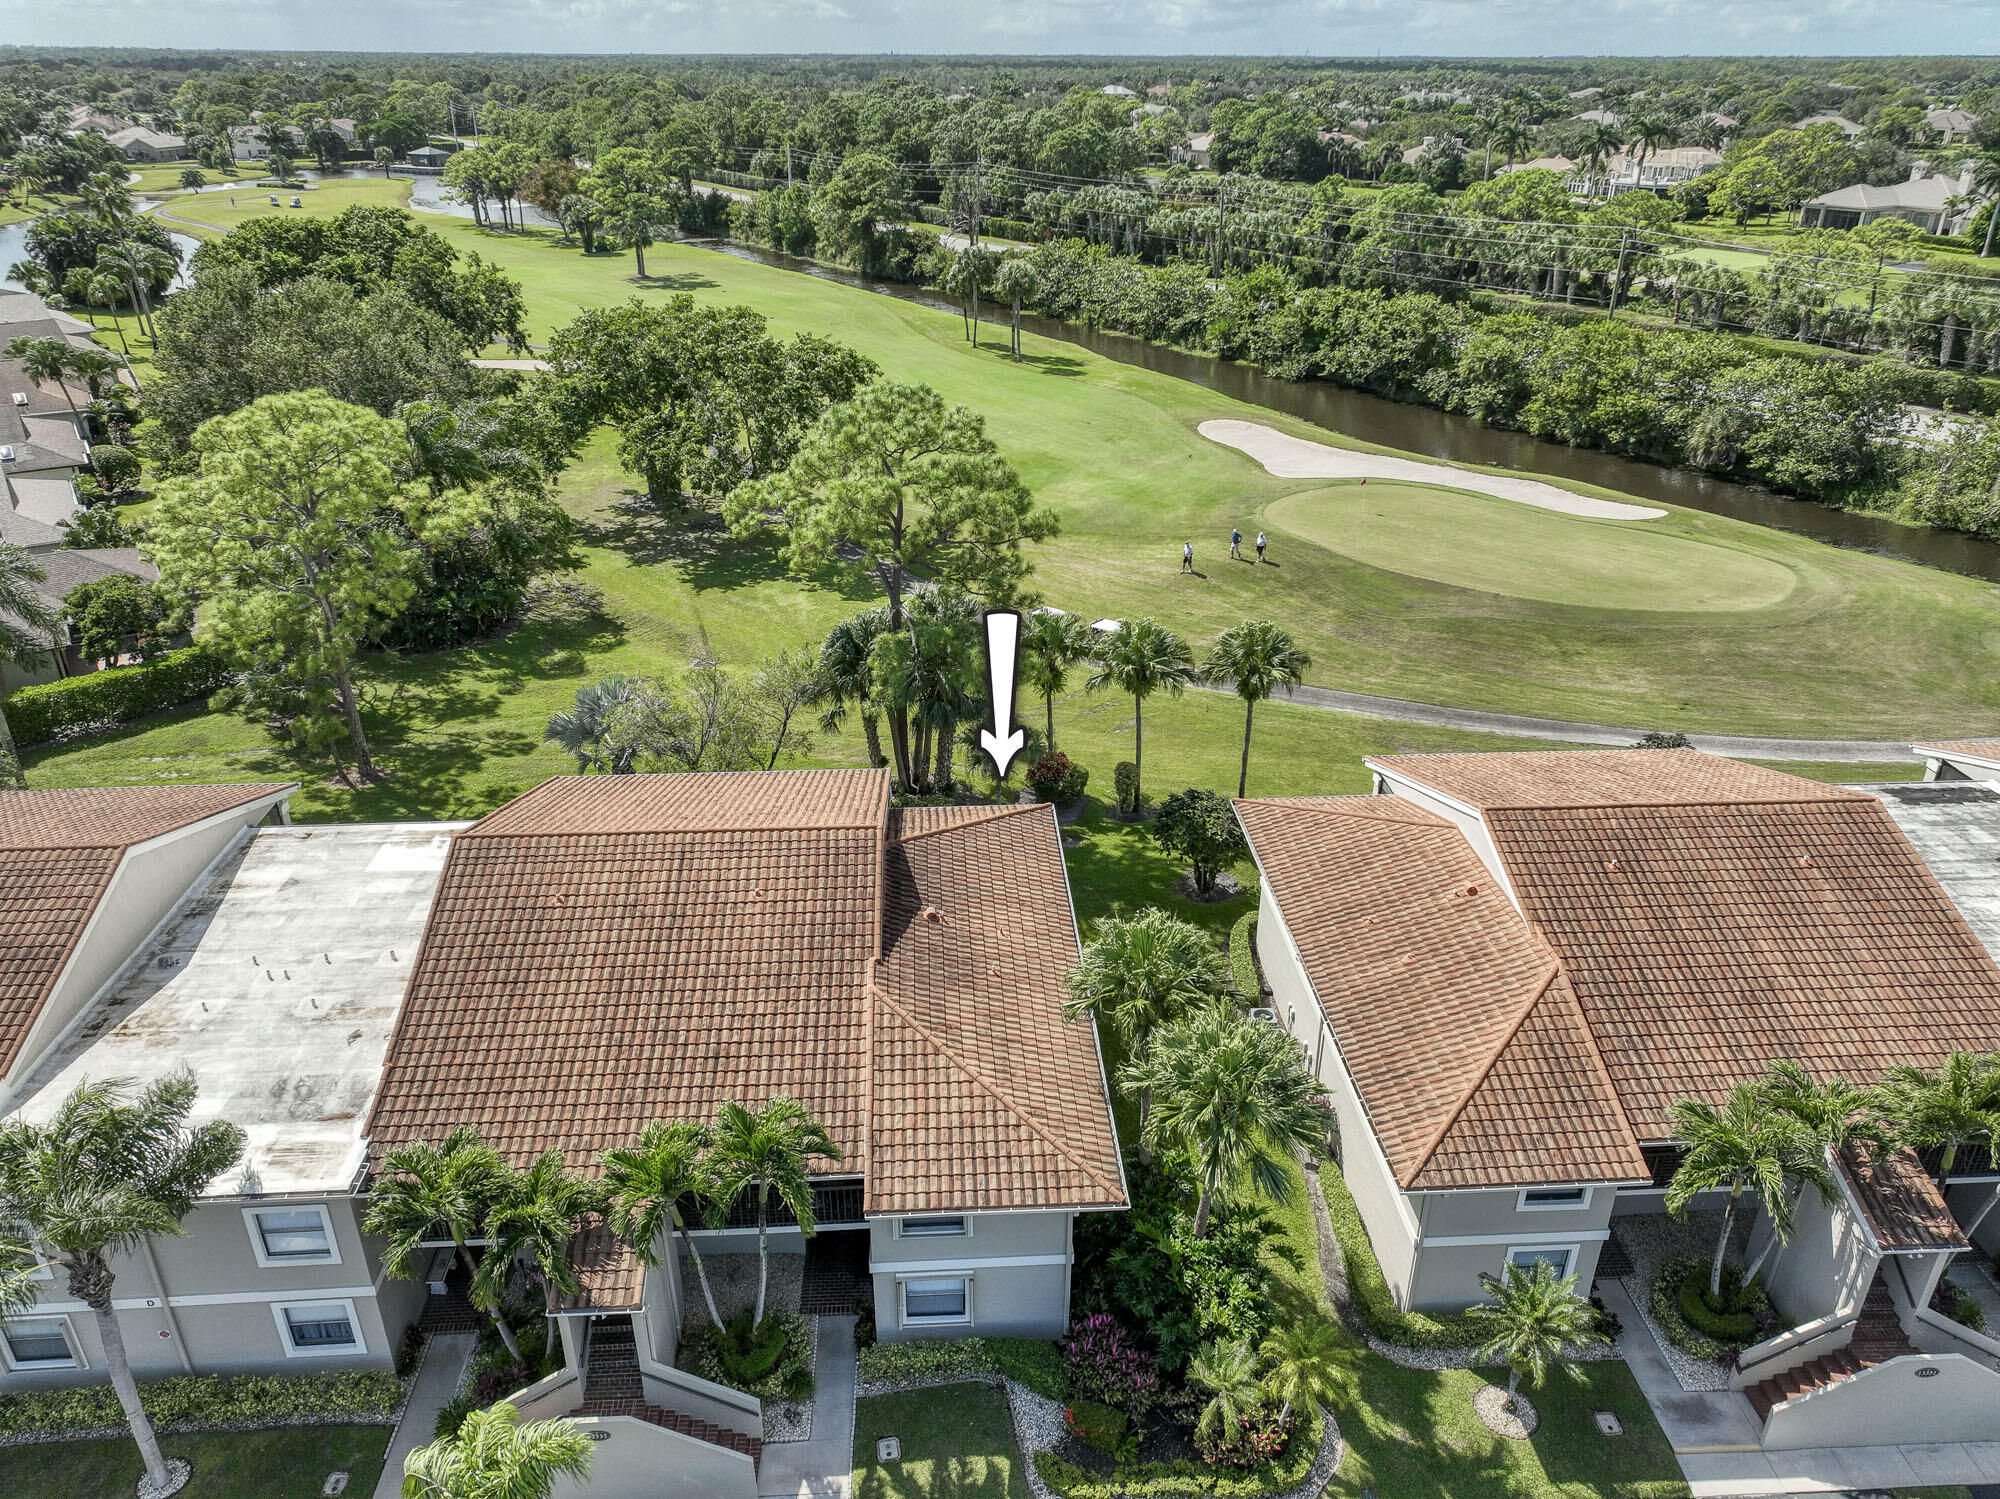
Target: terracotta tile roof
<point>1978,749</point>
<point>59,849</point>
<point>610,1276</point>
<point>982,1096</point>
<point>612,949</point>
<point>1446,1007</point>
<point>1706,941</point>
<point>1902,1204</point>
<point>1604,778</point>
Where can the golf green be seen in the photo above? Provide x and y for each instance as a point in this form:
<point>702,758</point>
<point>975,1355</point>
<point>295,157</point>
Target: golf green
<point>1498,546</point>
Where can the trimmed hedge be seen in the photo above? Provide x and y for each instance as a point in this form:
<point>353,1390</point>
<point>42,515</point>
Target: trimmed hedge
<point>1026,1361</point>
<point>92,704</point>
<point>1698,1336</point>
<point>1243,958</point>
<point>1727,1327</point>
<point>778,1369</point>
<point>191,1403</point>
<point>1187,1479</point>
<point>1370,1291</point>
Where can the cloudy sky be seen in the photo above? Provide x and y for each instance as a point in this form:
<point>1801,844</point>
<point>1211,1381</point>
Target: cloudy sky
<point>1331,28</point>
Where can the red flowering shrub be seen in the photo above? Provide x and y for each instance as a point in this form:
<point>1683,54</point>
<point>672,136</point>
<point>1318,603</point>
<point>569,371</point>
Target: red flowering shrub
<point>1261,1437</point>
<point>1106,1366</point>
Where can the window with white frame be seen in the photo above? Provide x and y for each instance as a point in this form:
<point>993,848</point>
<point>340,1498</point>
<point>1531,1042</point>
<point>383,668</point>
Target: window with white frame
<point>937,1299</point>
<point>1559,1257</point>
<point>1553,1199</point>
<point>39,1343</point>
<point>292,1235</point>
<point>318,1329</point>
<point>932,1228</point>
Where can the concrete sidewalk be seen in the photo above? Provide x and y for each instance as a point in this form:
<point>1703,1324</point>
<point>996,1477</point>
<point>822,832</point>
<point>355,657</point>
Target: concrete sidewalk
<point>822,1466</point>
<point>437,1381</point>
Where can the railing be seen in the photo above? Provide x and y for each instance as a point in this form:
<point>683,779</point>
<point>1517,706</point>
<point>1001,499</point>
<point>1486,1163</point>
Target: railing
<point>553,1395</point>
<point>836,1200</point>
<point>1786,1351</point>
<point>691,1395</point>
<point>1963,1338</point>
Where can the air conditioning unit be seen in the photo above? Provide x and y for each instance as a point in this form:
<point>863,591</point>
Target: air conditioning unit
<point>20,398</point>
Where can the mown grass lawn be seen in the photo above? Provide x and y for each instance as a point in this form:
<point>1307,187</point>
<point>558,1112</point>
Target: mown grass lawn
<point>1856,646</point>
<point>958,1443</point>
<point>290,1463</point>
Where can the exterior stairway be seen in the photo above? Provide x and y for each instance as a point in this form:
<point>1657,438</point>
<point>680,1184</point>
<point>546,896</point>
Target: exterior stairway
<point>1878,1337</point>
<point>612,1387</point>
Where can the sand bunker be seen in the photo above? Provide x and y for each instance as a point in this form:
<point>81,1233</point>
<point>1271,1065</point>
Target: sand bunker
<point>1295,458</point>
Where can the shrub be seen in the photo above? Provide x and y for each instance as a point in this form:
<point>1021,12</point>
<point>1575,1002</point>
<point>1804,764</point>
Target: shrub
<point>1200,827</point>
<point>1243,959</point>
<point>1692,1325</point>
<point>77,706</point>
<point>117,468</point>
<point>1103,1429</point>
<point>1107,1367</point>
<point>193,1402</point>
<point>1961,1308</point>
<point>1658,740</point>
<point>1056,778</point>
<point>1036,1365</point>
<point>1365,1282</point>
<point>775,1364</point>
<point>452,1414</point>
<point>1724,1326</point>
<point>1188,1479</point>
<point>1261,1437</point>
<point>1125,780</point>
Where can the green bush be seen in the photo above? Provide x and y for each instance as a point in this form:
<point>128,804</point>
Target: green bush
<point>776,1366</point>
<point>1102,1429</point>
<point>1243,958</point>
<point>1370,1291</point>
<point>1056,778</point>
<point>1699,1331</point>
<point>1724,1326</point>
<point>102,700</point>
<point>191,1402</point>
<point>1187,1479</point>
<point>1125,780</point>
<point>1026,1361</point>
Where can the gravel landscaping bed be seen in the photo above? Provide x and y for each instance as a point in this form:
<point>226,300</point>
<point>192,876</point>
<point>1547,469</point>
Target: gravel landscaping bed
<point>792,1420</point>
<point>733,1278</point>
<point>1652,1239</point>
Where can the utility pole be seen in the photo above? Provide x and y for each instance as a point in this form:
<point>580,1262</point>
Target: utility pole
<point>978,196</point>
<point>1618,276</point>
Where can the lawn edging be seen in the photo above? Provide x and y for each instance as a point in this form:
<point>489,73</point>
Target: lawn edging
<point>1038,1425</point>
<point>196,1404</point>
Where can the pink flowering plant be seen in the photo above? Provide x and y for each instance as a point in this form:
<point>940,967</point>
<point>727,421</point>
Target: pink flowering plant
<point>1106,1366</point>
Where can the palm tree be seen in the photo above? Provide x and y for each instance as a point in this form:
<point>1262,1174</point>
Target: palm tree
<point>584,729</point>
<point>93,366</point>
<point>427,1192</point>
<point>1513,137</point>
<point>1536,1319</point>
<point>1952,1109</point>
<point>1259,659</point>
<point>1746,1145</point>
<point>495,1457</point>
<point>1309,1362</point>
<point>1645,134</point>
<point>27,627</point>
<point>104,1175</point>
<point>384,157</point>
<point>1234,1093</point>
<point>1017,282</point>
<point>139,264</point>
<point>847,677</point>
<point>107,290</point>
<point>44,361</point>
<point>1228,1371</point>
<point>767,1149</point>
<point>1835,1113</point>
<point>531,1218</point>
<point>647,1181</point>
<point>968,272</point>
<point>454,449</point>
<point>1142,657</point>
<point>634,222</point>
<point>1051,643</point>
<point>1986,181</point>
<point>1600,143</point>
<point>1138,973</point>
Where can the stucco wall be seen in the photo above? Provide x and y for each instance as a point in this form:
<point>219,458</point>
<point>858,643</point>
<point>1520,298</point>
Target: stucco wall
<point>1826,1267</point>
<point>637,1460</point>
<point>1893,1403</point>
<point>1018,1266</point>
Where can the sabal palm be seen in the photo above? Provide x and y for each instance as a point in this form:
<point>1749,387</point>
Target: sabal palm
<point>1138,973</point>
<point>1016,282</point>
<point>427,1190</point>
<point>1950,1110</point>
<point>531,1219</point>
<point>105,1173</point>
<point>453,449</point>
<point>1233,1093</point>
<point>1051,643</point>
<point>1309,1362</point>
<point>1748,1144</point>
<point>767,1151</point>
<point>646,1182</point>
<point>1142,657</point>
<point>1228,1371</point>
<point>583,730</point>
<point>1534,1321</point>
<point>494,1456</point>
<point>27,624</point>
<point>1257,659</point>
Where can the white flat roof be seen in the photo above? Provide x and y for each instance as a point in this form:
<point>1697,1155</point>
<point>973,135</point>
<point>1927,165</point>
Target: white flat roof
<point>1955,826</point>
<point>276,983</point>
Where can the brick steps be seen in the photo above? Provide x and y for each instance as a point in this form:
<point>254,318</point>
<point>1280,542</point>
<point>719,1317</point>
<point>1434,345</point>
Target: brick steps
<point>1878,1337</point>
<point>687,1426</point>
<point>612,1387</point>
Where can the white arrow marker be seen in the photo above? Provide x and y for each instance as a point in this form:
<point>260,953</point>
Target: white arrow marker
<point>1003,640</point>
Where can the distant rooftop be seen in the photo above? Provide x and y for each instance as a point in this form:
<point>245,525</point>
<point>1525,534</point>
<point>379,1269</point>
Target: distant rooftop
<point>277,984</point>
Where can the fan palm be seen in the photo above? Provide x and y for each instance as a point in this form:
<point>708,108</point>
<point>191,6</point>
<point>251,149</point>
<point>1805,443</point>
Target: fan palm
<point>1258,659</point>
<point>1233,1093</point>
<point>1308,1362</point>
<point>585,729</point>
<point>1513,137</point>
<point>1748,1144</point>
<point>107,1172</point>
<point>1535,1319</point>
<point>431,1192</point>
<point>1228,1371</point>
<point>1955,1108</point>
<point>1138,973</point>
<point>1051,643</point>
<point>1142,657</point>
<point>1017,282</point>
<point>531,1218</point>
<point>495,1457</point>
<point>27,626</point>
<point>964,277</point>
<point>767,1150</point>
<point>647,1181</point>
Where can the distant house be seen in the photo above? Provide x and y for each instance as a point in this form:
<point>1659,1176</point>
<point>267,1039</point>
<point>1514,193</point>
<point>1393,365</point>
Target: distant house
<point>346,129</point>
<point>427,156</point>
<point>1663,169</point>
<point>137,143</point>
<point>1950,123</point>
<point>1585,93</point>
<point>1827,117</point>
<point>90,117</point>
<point>1431,144</point>
<point>1195,152</point>
<point>1936,205</point>
<point>1718,118</point>
<point>1540,164</point>
<point>1601,117</point>
<point>63,572</point>
<point>246,143</point>
<point>1118,91</point>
